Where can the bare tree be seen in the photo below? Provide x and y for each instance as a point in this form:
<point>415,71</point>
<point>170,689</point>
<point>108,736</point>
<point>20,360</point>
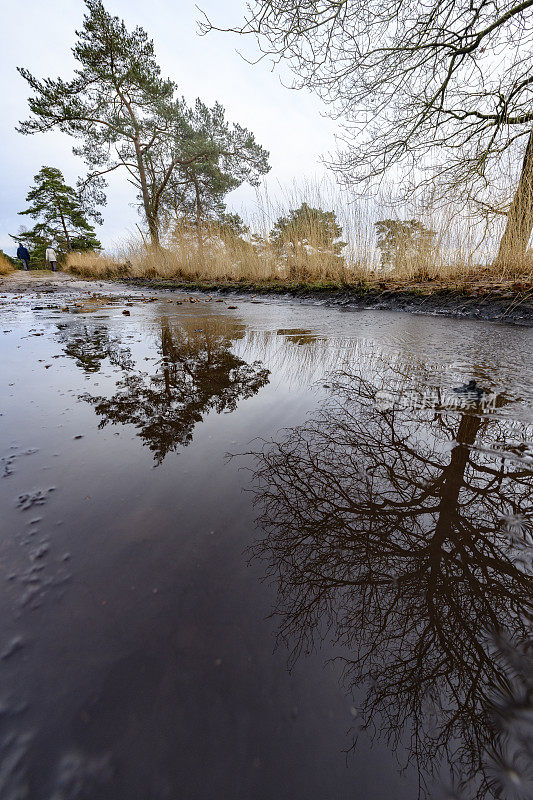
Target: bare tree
<point>442,87</point>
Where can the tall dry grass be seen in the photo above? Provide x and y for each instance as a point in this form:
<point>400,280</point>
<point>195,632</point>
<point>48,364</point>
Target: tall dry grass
<point>6,267</point>
<point>460,250</point>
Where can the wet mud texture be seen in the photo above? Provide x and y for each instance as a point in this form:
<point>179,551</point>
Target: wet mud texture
<point>514,308</point>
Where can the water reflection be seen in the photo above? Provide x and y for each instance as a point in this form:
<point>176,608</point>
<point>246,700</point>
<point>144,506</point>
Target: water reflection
<point>403,538</point>
<point>197,372</point>
<point>89,345</point>
<point>299,336</point>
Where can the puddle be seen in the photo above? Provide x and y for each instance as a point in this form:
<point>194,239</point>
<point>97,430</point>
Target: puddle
<point>283,557</point>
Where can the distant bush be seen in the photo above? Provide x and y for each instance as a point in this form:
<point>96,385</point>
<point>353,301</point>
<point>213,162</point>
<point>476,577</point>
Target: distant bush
<point>405,242</point>
<point>309,240</point>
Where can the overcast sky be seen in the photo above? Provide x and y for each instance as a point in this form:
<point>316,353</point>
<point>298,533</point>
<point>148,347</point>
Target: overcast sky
<point>40,36</point>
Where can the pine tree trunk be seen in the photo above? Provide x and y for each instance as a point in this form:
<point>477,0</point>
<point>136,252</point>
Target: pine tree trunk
<point>63,223</point>
<point>154,230</point>
<point>515,240</point>
<point>199,232</point>
<point>150,217</point>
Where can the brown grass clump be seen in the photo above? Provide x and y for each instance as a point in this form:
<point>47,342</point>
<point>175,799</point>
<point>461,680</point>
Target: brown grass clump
<point>94,265</point>
<point>6,267</point>
<point>215,259</point>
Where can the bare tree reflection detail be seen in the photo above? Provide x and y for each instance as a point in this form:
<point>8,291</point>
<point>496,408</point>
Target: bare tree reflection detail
<point>399,539</point>
<point>197,373</point>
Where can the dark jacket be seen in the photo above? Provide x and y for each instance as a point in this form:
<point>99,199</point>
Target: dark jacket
<point>22,253</point>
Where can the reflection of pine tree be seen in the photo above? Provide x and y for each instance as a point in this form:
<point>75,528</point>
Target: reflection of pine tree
<point>197,373</point>
<point>383,529</point>
<point>89,345</point>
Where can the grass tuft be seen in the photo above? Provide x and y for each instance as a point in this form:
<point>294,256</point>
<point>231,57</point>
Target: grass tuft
<point>6,267</point>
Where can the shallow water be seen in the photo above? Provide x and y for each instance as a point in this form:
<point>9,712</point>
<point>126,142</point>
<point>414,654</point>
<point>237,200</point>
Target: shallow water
<point>262,552</point>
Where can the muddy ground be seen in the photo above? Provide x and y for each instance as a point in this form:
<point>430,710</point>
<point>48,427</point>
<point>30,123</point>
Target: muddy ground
<point>510,306</point>
<point>214,508</point>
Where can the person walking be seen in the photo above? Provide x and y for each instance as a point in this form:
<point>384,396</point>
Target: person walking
<point>51,257</point>
<point>24,256</point>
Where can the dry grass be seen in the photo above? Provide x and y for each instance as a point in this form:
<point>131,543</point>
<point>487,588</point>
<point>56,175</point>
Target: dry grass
<point>94,265</point>
<point>215,259</point>
<point>460,251</point>
<point>6,267</point>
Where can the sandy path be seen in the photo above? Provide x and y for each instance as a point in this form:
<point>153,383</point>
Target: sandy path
<point>35,281</point>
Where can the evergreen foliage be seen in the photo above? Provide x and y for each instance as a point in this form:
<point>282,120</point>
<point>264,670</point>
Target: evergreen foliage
<point>60,217</point>
<point>125,115</point>
<point>403,239</point>
<point>308,227</point>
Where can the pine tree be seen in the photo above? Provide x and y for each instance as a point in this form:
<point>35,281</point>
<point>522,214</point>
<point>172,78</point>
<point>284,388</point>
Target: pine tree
<point>404,240</point>
<point>307,227</point>
<point>126,116</point>
<point>216,158</point>
<point>60,215</point>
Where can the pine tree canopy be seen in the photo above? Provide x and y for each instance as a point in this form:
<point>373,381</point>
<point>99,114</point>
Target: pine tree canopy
<point>125,115</point>
<point>59,214</point>
<point>306,226</point>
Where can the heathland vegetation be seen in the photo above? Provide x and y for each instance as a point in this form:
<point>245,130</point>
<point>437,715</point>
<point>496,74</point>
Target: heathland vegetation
<point>431,111</point>
<point>299,243</point>
<point>6,264</point>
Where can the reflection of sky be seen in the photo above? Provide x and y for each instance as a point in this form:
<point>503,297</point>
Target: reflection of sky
<point>446,352</point>
<point>450,352</point>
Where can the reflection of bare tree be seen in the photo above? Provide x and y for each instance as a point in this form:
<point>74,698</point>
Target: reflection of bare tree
<point>510,762</point>
<point>197,373</point>
<point>386,533</point>
<point>298,335</point>
<point>91,344</point>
